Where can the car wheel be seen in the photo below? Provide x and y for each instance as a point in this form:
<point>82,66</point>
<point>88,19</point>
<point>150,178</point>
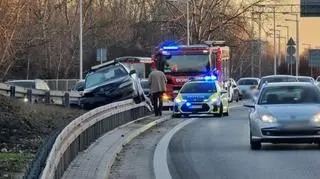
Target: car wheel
<point>231,98</point>
<point>220,114</point>
<point>254,145</point>
<point>226,113</point>
<point>238,97</point>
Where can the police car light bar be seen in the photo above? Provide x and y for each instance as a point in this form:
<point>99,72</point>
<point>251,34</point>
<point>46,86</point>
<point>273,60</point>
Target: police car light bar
<point>170,48</point>
<point>203,78</point>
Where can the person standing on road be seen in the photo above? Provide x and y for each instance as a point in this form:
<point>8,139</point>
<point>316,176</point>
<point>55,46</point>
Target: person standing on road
<point>157,81</point>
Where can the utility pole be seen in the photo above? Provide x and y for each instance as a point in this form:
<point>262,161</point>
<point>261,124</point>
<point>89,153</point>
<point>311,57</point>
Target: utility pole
<point>188,24</point>
<point>260,46</point>
<point>309,47</point>
<point>274,42</point>
<point>298,46</point>
<point>252,45</point>
<point>287,28</point>
<point>80,39</point>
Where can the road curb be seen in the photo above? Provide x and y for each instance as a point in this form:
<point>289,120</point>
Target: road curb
<point>160,163</point>
<point>130,137</point>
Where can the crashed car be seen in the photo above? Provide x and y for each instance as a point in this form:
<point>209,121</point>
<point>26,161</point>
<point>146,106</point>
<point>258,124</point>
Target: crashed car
<point>108,83</point>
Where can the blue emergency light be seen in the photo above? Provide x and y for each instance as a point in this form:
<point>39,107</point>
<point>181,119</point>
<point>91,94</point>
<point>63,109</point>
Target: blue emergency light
<point>210,78</point>
<point>170,48</point>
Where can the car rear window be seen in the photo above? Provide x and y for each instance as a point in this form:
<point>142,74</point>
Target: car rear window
<point>305,80</point>
<point>248,82</point>
<point>205,87</point>
<point>277,80</point>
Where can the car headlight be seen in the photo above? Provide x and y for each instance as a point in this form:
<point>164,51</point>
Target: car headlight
<point>316,118</point>
<point>268,118</point>
<point>25,99</point>
<point>214,98</point>
<point>179,99</point>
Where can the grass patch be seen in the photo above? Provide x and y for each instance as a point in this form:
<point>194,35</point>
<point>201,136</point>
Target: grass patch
<point>11,163</point>
<point>23,128</point>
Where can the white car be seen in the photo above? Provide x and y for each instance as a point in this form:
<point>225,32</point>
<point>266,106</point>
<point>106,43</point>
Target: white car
<point>247,85</point>
<point>233,90</point>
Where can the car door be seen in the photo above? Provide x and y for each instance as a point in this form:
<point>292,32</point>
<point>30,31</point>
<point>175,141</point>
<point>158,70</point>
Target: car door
<point>235,88</point>
<point>223,95</point>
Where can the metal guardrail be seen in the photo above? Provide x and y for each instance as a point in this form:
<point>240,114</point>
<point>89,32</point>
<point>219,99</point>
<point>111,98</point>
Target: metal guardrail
<point>61,84</point>
<point>84,130</point>
<point>39,96</point>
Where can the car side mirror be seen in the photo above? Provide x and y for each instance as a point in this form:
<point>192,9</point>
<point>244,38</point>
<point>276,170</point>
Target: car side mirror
<point>132,72</point>
<point>234,86</point>
<point>81,89</point>
<point>249,105</point>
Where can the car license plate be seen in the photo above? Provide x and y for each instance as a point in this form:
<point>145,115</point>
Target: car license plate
<point>196,107</point>
<point>292,126</point>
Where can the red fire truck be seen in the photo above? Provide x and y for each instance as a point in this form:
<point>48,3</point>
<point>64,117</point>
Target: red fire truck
<point>181,62</point>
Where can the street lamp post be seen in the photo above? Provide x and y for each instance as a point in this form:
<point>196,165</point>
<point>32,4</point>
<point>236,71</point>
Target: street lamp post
<point>279,45</point>
<point>188,24</point>
<point>298,44</point>
<point>287,28</point>
<point>80,39</point>
<point>274,42</point>
<point>309,47</point>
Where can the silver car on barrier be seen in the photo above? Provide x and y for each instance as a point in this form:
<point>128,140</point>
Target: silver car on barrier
<point>286,112</point>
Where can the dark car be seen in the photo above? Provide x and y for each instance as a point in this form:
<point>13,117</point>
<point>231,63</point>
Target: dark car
<point>145,86</point>
<point>110,82</point>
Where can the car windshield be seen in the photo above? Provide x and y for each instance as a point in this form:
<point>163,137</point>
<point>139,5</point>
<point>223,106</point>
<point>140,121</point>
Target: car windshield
<point>303,79</point>
<point>187,63</point>
<point>250,82</point>
<point>104,74</point>
<point>289,95</point>
<point>277,80</point>
<point>206,87</point>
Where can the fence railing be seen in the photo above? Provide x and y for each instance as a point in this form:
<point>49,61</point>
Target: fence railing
<point>39,96</point>
<point>61,84</point>
<point>84,130</point>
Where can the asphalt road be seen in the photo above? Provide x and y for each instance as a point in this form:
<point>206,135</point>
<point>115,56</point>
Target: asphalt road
<point>218,148</point>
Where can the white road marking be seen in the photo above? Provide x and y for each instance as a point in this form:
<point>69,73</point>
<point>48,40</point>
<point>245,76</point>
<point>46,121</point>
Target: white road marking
<point>160,165</point>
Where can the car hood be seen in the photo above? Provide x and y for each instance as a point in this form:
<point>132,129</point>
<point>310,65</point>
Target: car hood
<point>195,96</point>
<point>111,85</point>
<point>285,112</point>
